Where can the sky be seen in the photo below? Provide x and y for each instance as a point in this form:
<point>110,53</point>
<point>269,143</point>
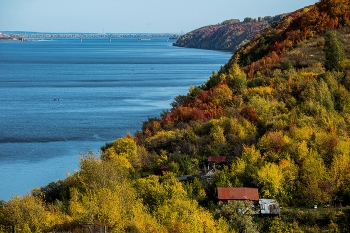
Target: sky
<point>133,16</point>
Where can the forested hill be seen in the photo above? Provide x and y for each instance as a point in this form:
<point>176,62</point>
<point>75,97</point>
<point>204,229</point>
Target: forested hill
<point>279,111</point>
<point>227,36</point>
<point>302,28</point>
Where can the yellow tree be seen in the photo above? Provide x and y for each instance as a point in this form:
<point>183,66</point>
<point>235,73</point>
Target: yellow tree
<point>218,144</point>
<point>313,186</point>
<point>221,96</point>
<point>155,190</point>
<point>182,215</point>
<point>236,79</point>
<point>169,204</point>
<point>96,173</point>
<point>245,168</point>
<point>290,175</point>
<point>270,180</point>
<point>261,106</point>
<point>128,148</point>
<point>143,221</point>
<point>31,214</point>
<point>101,192</point>
<point>340,176</point>
<point>105,206</point>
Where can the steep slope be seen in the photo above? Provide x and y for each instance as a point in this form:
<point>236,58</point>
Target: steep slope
<point>265,49</point>
<point>285,131</point>
<point>227,36</point>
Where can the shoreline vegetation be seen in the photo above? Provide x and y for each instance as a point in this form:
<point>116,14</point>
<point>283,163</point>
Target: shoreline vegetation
<point>278,111</point>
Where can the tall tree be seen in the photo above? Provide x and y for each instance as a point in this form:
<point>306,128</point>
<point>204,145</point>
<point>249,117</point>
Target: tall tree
<point>334,50</point>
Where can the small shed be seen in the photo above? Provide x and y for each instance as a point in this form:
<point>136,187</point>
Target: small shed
<point>210,173</point>
<point>238,194</point>
<point>183,178</point>
<point>269,207</point>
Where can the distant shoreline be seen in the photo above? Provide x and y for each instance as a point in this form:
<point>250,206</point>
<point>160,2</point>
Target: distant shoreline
<point>22,36</point>
<point>9,40</point>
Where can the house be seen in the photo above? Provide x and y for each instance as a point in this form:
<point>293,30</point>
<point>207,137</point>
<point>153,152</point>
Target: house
<point>269,207</point>
<point>238,194</point>
<point>210,173</point>
<point>213,160</point>
<point>217,159</point>
<point>265,207</point>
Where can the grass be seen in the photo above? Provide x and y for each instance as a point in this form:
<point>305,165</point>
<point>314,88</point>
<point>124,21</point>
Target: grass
<point>310,52</point>
<point>322,218</point>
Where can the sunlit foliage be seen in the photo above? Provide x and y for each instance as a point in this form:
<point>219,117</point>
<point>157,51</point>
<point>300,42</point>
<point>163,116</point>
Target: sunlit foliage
<point>282,125</point>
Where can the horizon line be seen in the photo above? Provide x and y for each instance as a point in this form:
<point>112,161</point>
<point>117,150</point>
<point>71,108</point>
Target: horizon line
<point>42,32</point>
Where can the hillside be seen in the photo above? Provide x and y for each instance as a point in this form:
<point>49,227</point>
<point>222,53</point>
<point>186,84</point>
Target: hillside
<point>227,36</point>
<point>293,31</point>
<point>283,126</point>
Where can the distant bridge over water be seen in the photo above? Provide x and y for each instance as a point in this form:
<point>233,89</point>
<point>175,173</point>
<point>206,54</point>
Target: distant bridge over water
<point>81,36</point>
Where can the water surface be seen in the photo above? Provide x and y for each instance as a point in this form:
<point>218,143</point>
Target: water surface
<point>61,98</point>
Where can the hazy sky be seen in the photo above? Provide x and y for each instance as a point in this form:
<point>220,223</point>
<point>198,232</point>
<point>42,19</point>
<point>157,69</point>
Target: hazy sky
<point>133,15</point>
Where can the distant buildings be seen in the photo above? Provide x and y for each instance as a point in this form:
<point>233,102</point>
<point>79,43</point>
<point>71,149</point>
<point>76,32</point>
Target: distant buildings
<point>4,36</point>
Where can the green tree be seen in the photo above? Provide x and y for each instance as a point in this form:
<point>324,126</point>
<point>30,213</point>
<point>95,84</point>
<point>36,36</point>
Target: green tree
<point>222,178</point>
<point>324,96</point>
<point>179,100</point>
<point>343,99</point>
<point>238,215</point>
<point>237,79</point>
<point>312,184</point>
<point>334,50</point>
<point>195,190</point>
<point>214,80</point>
<point>277,225</point>
<point>193,92</point>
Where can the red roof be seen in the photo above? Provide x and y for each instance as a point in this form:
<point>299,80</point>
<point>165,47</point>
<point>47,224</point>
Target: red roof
<point>217,159</point>
<point>238,194</point>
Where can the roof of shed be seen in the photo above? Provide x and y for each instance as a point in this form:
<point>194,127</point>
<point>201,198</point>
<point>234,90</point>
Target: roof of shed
<point>217,159</point>
<point>238,194</point>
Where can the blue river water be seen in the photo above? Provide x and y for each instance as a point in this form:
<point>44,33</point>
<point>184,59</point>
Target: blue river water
<point>61,98</point>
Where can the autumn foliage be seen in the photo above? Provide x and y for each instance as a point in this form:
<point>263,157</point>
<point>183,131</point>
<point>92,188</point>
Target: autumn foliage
<point>284,129</point>
<point>264,50</point>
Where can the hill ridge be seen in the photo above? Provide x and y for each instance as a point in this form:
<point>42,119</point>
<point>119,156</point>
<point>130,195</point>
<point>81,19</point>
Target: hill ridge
<point>227,36</point>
